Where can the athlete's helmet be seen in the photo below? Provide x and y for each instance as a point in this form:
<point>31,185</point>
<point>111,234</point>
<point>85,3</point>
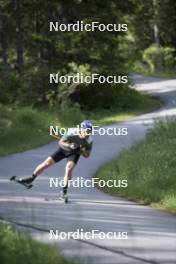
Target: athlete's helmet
<point>86,124</point>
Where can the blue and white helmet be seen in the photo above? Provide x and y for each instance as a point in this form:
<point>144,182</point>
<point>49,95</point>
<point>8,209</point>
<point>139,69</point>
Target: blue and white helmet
<point>86,124</point>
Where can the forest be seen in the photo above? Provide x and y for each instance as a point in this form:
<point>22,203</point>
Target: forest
<point>30,51</point>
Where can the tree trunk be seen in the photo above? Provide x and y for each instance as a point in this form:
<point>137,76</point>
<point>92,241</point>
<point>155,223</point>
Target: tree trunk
<point>40,59</point>
<point>3,39</point>
<point>19,38</point>
<point>4,50</point>
<point>157,34</point>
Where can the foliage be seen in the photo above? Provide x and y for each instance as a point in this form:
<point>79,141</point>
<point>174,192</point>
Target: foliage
<point>18,248</point>
<point>169,59</point>
<point>149,167</point>
<point>152,26</point>
<point>106,97</point>
<point>22,128</point>
<point>70,114</point>
<point>29,51</point>
<point>149,63</point>
<point>151,56</point>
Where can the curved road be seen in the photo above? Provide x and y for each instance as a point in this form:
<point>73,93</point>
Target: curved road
<point>151,233</point>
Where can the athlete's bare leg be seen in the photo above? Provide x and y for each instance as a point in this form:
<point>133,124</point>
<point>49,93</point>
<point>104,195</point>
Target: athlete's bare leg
<point>39,169</point>
<point>68,174</point>
<point>43,166</point>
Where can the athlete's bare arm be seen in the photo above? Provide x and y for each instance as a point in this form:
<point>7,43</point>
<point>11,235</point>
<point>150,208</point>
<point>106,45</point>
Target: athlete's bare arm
<point>65,145</point>
<point>85,153</point>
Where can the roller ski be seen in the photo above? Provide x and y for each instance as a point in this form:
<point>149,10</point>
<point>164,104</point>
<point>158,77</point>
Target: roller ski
<point>25,182</point>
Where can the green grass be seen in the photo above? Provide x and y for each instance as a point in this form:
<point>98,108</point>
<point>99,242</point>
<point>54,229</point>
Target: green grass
<point>146,104</point>
<point>23,128</point>
<point>149,167</point>
<point>19,248</point>
<point>159,74</point>
<point>144,70</point>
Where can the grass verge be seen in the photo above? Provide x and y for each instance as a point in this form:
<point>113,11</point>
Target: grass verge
<point>18,248</point>
<point>147,103</point>
<point>149,168</point>
<point>159,74</point>
<point>23,128</point>
<point>140,69</point>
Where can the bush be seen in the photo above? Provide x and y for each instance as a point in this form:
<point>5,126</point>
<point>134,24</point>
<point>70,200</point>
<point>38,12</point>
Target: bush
<point>159,57</point>
<point>17,248</point>
<point>105,96</point>
<point>169,59</point>
<point>10,84</point>
<point>70,114</point>
<point>153,57</point>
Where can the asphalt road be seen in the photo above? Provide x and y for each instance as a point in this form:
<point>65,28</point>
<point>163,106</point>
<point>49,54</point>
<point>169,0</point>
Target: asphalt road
<point>151,233</point>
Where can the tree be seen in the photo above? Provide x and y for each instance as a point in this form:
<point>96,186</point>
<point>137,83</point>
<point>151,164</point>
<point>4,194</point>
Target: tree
<point>19,37</point>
